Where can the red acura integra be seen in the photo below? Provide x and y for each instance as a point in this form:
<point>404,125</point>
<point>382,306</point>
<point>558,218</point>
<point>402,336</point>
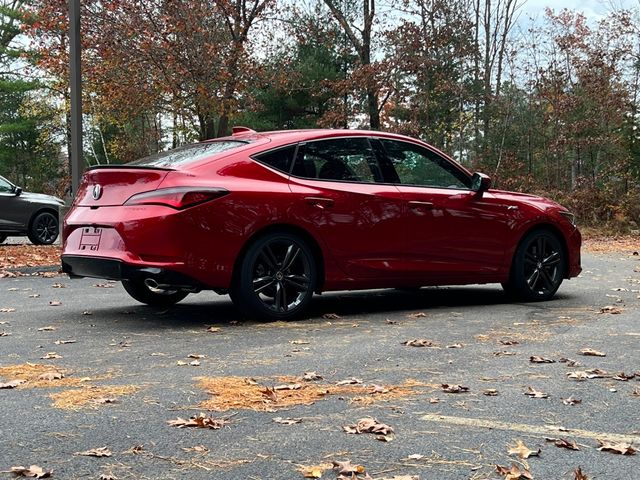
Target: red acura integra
<point>271,218</point>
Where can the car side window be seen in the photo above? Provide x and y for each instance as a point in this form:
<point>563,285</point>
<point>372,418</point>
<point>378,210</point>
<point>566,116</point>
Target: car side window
<point>280,159</point>
<point>416,165</point>
<point>343,159</point>
<point>5,187</point>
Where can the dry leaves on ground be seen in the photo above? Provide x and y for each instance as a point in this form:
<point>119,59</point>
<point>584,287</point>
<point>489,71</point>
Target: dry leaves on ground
<point>514,473</point>
<point>420,342</point>
<point>95,452</point>
<point>17,256</point>
<point>538,359</point>
<point>287,421</point>
<point>454,388</point>
<point>311,377</point>
<point>619,448</point>
<point>563,443</point>
<point>34,471</point>
<point>571,401</point>
<point>490,392</point>
<point>612,309</point>
<point>590,352</point>
<point>533,393</point>
<point>347,468</point>
<point>12,384</point>
<point>522,451</point>
<point>371,425</point>
<point>578,475</point>
<point>199,421</point>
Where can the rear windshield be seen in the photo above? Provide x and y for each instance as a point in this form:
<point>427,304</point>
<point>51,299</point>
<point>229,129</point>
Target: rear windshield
<point>187,154</point>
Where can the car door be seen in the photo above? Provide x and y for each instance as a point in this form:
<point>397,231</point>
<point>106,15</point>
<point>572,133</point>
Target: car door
<point>338,184</point>
<point>453,231</point>
<point>11,209</point>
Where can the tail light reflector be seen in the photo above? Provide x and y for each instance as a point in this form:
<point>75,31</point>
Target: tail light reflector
<point>177,197</point>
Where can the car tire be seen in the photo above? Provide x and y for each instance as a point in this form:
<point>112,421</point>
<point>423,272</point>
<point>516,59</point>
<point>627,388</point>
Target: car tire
<point>152,296</point>
<point>276,278</point>
<point>3,237</point>
<point>538,267</point>
<point>44,229</point>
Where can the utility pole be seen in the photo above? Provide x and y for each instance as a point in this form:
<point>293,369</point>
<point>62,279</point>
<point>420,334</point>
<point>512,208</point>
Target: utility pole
<point>75,83</point>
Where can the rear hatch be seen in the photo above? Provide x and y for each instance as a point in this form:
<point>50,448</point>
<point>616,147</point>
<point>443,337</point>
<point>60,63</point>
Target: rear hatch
<point>112,186</point>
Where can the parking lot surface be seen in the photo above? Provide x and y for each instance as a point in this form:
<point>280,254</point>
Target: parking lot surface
<point>281,394</point>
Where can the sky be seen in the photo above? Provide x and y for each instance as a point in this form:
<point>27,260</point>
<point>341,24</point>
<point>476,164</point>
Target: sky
<point>592,9</point>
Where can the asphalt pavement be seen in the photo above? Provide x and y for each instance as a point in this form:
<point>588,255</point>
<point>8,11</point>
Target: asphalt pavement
<point>134,365</point>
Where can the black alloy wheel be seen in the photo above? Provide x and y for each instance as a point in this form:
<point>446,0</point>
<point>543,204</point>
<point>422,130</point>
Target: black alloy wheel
<point>276,279</point>
<point>154,297</point>
<point>44,229</point>
<point>539,267</point>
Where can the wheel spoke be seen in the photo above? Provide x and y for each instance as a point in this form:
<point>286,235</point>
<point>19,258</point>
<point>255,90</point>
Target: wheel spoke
<point>265,281</point>
<point>290,257</point>
<point>546,280</point>
<point>533,279</point>
<point>281,298</point>
<point>298,281</point>
<point>552,259</point>
<point>268,257</point>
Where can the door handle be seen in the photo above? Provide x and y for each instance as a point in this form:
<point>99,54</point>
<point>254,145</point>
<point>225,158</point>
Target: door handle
<point>415,204</point>
<point>320,202</point>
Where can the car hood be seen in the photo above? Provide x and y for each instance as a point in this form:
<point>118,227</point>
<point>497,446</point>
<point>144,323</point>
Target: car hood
<point>41,198</point>
<point>535,201</point>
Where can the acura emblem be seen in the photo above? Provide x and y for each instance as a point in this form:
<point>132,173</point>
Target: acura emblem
<point>97,191</point>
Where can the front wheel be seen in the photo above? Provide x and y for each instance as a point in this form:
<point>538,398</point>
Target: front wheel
<point>538,267</point>
<point>276,278</point>
<point>44,229</point>
<point>154,297</point>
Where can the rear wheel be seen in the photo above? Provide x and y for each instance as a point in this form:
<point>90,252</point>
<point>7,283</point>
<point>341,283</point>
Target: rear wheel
<point>538,267</point>
<point>44,229</point>
<point>276,278</point>
<point>154,297</point>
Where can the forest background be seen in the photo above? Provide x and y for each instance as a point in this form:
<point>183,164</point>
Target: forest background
<point>546,105</point>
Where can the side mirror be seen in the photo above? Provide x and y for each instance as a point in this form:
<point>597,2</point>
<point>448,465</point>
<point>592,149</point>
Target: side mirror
<point>17,191</point>
<point>480,183</point>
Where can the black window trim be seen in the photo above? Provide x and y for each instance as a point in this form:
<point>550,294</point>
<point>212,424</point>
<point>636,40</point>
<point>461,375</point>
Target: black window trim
<point>430,149</point>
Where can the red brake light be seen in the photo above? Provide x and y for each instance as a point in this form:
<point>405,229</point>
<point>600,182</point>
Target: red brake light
<point>177,197</point>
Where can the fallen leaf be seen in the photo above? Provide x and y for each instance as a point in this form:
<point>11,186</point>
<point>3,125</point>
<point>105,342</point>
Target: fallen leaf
<point>415,456</point>
<point>55,303</point>
<point>417,315</point>
<point>613,310</point>
<point>523,451</point>
<point>199,421</point>
<point>287,421</point>
<point>347,468</point>
<point>569,362</point>
<point>194,363</point>
<point>563,443</point>
<point>96,452</point>
<point>454,388</point>
<point>48,328</point>
<point>509,342</point>
<point>311,377</point>
<point>51,356</point>
<point>34,471</point>
<point>331,316</point>
<point>290,386</point>
<point>87,312</point>
<point>12,384</point>
<point>107,476</point>
<point>51,376</point>
<point>349,381</point>
<point>270,394</point>
<point>533,393</point>
<point>623,377</point>
<point>391,322</point>
<point>213,329</point>
<point>578,475</point>
<point>490,392</point>
<point>105,400</point>
<point>368,425</point>
<point>4,334</point>
<point>64,342</point>
<point>103,285</point>
<point>196,355</point>
<point>58,285</point>
<point>592,353</point>
<point>503,353</point>
<point>619,448</point>
<point>514,473</point>
<point>571,401</point>
<point>7,310</point>
<point>34,295</point>
<point>300,342</point>
<point>198,449</point>
<point>375,389</point>
<point>538,359</point>
<point>434,400</point>
<point>455,345</point>
<point>419,342</point>
<point>181,363</point>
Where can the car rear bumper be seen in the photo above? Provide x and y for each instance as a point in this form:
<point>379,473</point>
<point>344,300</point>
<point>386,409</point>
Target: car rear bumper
<point>77,266</point>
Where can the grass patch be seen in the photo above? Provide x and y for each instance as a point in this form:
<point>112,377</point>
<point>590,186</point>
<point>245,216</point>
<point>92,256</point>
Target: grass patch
<point>30,373</point>
<point>91,397</point>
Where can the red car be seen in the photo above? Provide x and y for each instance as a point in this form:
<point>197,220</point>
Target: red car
<point>271,218</point>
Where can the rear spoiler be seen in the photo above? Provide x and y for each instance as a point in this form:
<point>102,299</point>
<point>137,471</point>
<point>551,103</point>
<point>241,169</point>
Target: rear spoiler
<point>129,167</point>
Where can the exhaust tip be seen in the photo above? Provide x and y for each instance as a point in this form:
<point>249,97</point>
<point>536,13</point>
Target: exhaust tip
<point>151,283</point>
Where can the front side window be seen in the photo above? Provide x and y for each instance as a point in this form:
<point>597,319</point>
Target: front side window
<point>5,186</point>
<point>342,159</point>
<point>416,165</point>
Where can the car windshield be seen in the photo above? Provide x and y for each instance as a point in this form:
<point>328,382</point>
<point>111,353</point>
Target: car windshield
<point>187,154</point>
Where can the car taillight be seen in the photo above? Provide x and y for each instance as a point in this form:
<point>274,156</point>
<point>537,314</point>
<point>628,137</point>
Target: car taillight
<point>177,197</point>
